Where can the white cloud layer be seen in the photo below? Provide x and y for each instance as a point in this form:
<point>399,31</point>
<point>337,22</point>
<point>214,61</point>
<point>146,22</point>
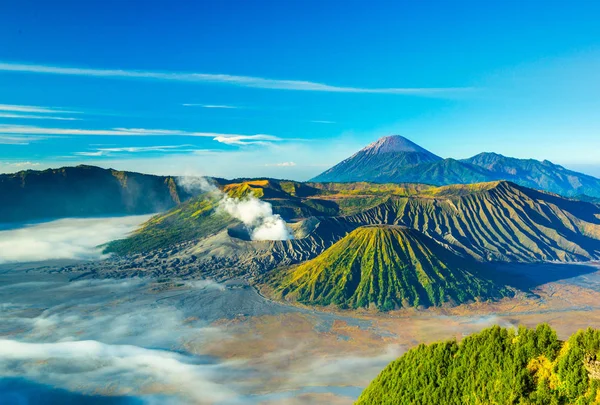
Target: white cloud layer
<point>242,81</point>
<point>99,363</point>
<point>64,239</point>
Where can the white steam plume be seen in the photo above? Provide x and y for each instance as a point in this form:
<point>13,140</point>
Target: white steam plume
<point>256,215</point>
<point>196,184</point>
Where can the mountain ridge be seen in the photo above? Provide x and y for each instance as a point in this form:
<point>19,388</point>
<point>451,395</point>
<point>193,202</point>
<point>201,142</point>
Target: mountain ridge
<point>421,166</point>
<point>83,190</point>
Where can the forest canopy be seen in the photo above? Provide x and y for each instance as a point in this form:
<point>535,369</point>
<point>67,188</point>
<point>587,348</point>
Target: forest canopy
<point>495,366</point>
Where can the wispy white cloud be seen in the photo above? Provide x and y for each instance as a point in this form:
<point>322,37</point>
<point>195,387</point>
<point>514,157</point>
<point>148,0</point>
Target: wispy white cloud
<point>35,109</point>
<point>187,148</point>
<point>38,117</point>
<point>34,112</point>
<point>20,140</point>
<point>90,154</point>
<point>259,139</point>
<point>229,139</point>
<point>212,106</point>
<point>323,122</point>
<point>22,164</point>
<point>282,164</point>
<point>134,149</point>
<point>242,81</point>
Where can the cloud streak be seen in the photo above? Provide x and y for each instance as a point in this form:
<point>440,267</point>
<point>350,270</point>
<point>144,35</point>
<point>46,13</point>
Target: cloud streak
<point>282,164</point>
<point>323,122</point>
<point>234,80</point>
<point>228,139</point>
<point>20,140</point>
<point>222,106</point>
<point>22,164</point>
<point>259,139</point>
<point>187,148</point>
<point>38,117</point>
<point>34,112</point>
<point>34,109</point>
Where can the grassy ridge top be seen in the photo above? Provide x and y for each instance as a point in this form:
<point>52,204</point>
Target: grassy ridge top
<point>495,366</point>
<point>386,267</point>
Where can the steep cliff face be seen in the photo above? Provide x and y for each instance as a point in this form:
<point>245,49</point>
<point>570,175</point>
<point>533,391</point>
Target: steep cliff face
<point>84,191</point>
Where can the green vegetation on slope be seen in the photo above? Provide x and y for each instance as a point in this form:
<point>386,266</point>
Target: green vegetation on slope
<point>387,267</point>
<point>495,366</point>
<point>196,218</point>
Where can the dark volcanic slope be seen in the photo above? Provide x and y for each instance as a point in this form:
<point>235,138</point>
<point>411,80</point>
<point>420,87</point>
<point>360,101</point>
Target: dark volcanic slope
<point>84,191</point>
<point>387,267</point>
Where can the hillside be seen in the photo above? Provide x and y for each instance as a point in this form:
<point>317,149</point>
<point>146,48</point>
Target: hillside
<point>386,267</point>
<point>199,217</point>
<point>395,159</point>
<point>495,366</point>
<point>84,191</point>
<point>542,175</point>
<point>497,221</point>
<point>494,221</point>
<point>194,219</point>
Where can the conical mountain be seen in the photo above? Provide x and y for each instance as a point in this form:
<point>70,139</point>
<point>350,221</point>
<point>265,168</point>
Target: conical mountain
<point>386,267</point>
<point>385,155</point>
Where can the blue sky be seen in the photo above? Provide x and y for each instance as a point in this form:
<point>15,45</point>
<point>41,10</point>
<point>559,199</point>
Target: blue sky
<point>289,88</point>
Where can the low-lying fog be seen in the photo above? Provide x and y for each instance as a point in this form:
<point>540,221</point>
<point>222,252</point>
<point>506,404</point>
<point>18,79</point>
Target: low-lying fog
<point>137,342</point>
<point>73,238</point>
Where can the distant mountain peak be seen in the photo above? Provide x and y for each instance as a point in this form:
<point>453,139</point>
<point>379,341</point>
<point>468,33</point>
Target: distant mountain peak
<point>394,143</point>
